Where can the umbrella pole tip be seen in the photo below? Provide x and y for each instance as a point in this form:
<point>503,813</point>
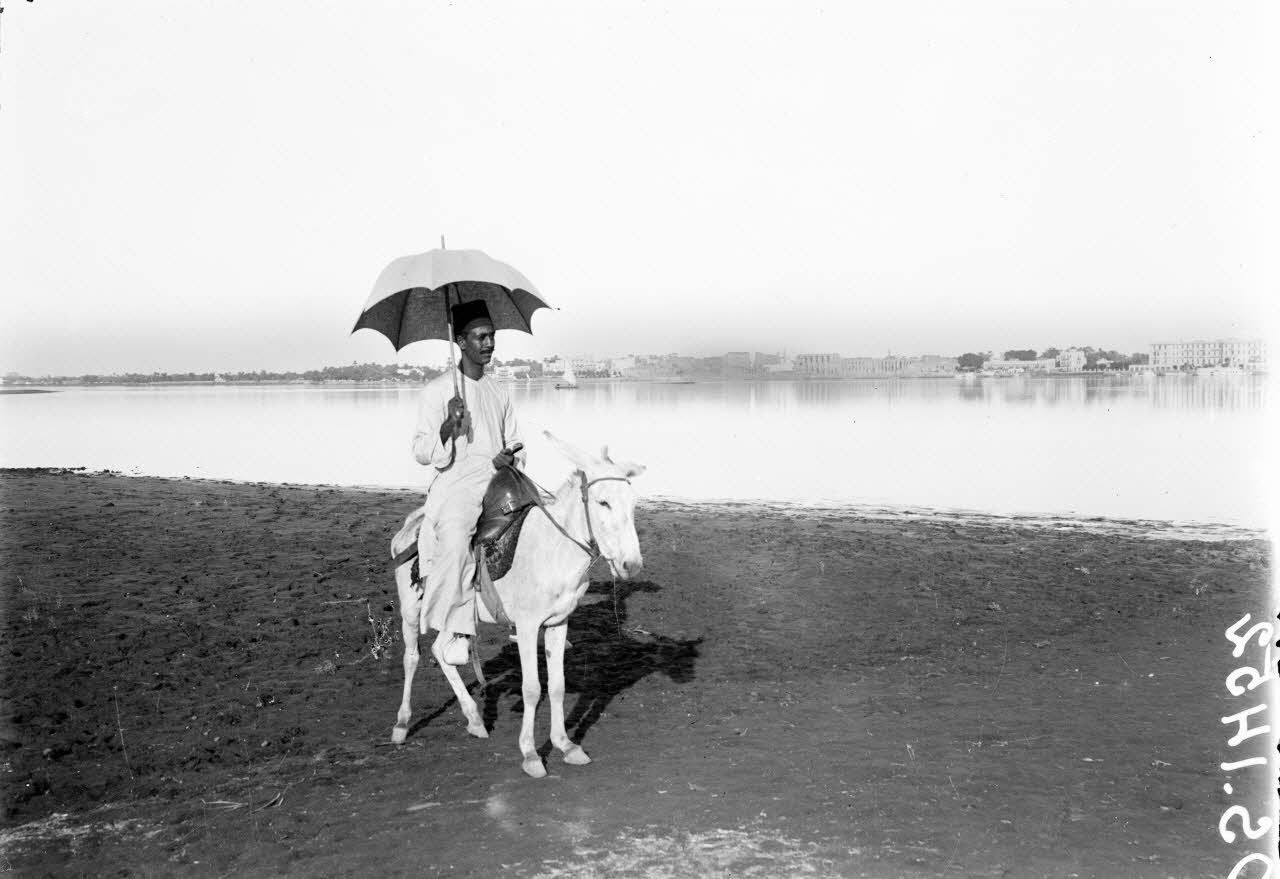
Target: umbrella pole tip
<point>442,247</point>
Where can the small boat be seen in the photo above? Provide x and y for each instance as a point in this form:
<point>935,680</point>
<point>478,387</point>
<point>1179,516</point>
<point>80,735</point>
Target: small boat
<point>568,381</point>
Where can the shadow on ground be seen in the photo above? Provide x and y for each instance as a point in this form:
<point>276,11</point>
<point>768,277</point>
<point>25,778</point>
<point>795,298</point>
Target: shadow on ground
<point>606,658</point>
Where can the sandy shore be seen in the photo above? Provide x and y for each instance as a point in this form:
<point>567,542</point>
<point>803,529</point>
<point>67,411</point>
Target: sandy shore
<point>193,684</point>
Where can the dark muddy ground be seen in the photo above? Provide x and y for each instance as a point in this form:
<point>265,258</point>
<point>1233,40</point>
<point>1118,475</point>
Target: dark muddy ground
<point>195,683</point>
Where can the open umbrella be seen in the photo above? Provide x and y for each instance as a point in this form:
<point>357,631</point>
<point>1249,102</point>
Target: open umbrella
<point>413,297</point>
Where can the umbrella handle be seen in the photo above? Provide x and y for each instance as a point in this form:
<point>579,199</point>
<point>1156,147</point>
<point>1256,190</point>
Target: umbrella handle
<point>459,389</point>
<point>448,321</point>
<point>453,369</point>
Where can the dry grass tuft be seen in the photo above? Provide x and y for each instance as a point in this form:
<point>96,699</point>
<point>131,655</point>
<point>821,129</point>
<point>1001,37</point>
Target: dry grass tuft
<point>384,633</point>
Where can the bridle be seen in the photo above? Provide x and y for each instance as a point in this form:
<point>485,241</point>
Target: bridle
<point>591,548</point>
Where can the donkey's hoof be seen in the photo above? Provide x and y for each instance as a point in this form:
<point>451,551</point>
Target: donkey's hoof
<point>576,756</point>
<point>477,729</point>
<point>398,734</point>
<point>533,767</point>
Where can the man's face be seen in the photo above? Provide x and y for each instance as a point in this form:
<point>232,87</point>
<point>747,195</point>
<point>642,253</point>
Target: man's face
<point>477,344</point>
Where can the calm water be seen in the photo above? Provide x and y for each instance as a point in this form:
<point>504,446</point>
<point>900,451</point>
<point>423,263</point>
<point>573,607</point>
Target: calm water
<point>1173,448</point>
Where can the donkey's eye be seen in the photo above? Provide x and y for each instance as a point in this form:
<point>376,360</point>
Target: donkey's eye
<point>605,504</point>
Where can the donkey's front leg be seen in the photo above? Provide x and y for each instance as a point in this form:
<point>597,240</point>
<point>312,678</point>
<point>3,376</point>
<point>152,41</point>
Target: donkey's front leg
<point>554,640</point>
<point>475,724</point>
<point>527,639</point>
<point>409,631</point>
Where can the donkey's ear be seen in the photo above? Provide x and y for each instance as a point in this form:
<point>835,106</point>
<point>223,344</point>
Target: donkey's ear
<point>576,456</point>
<point>630,469</point>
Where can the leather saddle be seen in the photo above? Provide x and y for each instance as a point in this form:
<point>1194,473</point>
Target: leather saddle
<point>507,501</point>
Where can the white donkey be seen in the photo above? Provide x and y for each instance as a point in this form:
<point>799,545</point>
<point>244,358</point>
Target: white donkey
<point>590,515</point>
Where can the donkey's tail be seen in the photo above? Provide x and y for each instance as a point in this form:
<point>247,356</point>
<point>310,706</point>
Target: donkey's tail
<point>404,546</point>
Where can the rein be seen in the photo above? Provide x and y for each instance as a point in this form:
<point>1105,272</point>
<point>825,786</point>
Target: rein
<point>591,548</point>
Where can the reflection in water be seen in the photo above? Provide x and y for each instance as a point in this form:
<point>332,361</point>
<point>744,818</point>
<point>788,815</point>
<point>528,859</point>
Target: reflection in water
<point>1191,392</point>
<point>1211,393</point>
<point>1187,392</point>
<point>1170,447</point>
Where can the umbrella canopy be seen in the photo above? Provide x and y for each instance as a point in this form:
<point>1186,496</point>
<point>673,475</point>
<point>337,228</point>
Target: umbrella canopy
<point>411,298</point>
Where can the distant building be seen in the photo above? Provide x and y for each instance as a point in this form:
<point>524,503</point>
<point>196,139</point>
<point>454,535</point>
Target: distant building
<point>889,366</point>
<point>736,365</point>
<point>860,367</point>
<point>933,364</point>
<point>1072,360</point>
<point>1249,354</point>
<point>781,365</point>
<point>894,365</point>
<point>819,365</point>
<point>622,365</point>
<point>580,365</point>
<point>1018,367</point>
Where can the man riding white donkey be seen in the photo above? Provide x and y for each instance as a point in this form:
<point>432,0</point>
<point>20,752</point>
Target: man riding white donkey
<point>466,439</point>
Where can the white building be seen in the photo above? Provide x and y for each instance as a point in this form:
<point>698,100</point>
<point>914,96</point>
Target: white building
<point>1250,354</point>
<point>579,364</point>
<point>622,365</point>
<point>835,366</point>
<point>934,364</point>
<point>1017,367</point>
<point>515,371</point>
<point>821,365</point>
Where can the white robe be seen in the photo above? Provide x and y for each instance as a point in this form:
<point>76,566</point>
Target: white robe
<point>455,493</point>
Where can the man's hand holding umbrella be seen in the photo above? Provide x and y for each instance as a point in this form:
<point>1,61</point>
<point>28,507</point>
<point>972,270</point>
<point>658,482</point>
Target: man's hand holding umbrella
<point>457,423</point>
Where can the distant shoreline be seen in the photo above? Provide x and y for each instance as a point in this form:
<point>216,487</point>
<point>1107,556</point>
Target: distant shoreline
<point>51,387</point>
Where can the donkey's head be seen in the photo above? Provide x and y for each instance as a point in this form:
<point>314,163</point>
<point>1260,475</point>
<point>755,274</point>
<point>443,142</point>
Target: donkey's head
<point>611,504</point>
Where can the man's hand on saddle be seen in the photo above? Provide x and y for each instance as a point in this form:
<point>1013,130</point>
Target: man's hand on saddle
<point>457,422</point>
<point>507,457</point>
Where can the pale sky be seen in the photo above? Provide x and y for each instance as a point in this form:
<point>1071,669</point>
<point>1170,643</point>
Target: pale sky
<point>207,185</point>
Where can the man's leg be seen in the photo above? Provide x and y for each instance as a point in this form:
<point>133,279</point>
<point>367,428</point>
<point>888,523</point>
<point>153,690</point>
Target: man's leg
<point>456,566</point>
<point>453,567</point>
<point>426,555</point>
